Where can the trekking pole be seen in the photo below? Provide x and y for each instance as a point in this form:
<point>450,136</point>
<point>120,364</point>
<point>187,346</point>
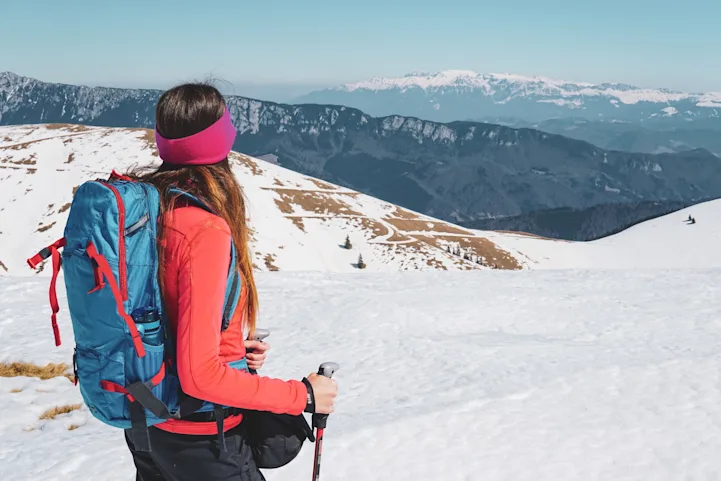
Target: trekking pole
<point>326,369</point>
<point>259,335</point>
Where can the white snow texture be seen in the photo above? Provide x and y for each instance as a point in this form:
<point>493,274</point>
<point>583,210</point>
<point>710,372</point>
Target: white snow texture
<point>602,365</point>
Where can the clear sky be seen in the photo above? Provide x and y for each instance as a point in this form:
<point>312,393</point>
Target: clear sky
<point>296,44</point>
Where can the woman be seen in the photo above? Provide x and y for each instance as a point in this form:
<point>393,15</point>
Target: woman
<point>194,135</point>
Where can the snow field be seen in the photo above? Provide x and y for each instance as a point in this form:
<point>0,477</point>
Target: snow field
<point>534,375</point>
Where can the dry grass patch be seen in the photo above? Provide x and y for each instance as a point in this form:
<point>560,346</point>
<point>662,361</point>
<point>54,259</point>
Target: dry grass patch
<point>43,228</point>
<point>32,171</point>
<point>278,183</point>
<point>322,203</point>
<point>322,185</point>
<point>480,246</point>
<point>403,214</point>
<point>376,227</point>
<point>3,266</point>
<point>70,127</point>
<point>298,222</point>
<point>29,161</point>
<point>528,234</point>
<point>75,189</point>
<point>148,138</point>
<point>16,390</point>
<point>398,237</point>
<point>269,259</point>
<point>420,225</point>
<point>64,208</point>
<point>73,427</point>
<point>71,157</point>
<point>52,413</point>
<point>49,371</point>
<point>246,161</point>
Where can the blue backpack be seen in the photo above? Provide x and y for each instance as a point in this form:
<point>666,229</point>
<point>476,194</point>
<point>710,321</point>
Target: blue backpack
<point>124,355</point>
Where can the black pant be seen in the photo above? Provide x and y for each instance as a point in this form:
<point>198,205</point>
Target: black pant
<point>184,457</point>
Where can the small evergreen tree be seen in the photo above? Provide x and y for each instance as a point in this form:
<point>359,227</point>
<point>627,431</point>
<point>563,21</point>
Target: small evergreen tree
<point>361,264</point>
<point>347,244</point>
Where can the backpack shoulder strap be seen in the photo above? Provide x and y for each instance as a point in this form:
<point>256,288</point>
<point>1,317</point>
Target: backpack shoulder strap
<point>233,284</point>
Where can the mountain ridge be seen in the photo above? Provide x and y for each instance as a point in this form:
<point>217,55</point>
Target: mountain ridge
<point>457,95</point>
<point>458,171</point>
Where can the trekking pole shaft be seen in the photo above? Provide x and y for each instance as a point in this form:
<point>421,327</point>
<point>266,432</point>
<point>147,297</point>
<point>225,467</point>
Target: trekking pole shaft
<point>326,369</point>
<point>318,452</point>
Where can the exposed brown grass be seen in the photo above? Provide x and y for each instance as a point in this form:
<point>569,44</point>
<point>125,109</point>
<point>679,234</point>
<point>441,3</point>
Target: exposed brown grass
<point>70,127</point>
<point>528,234</point>
<point>480,246</point>
<point>75,189</point>
<point>373,225</point>
<point>73,427</point>
<point>43,228</point>
<point>64,208</point>
<point>269,259</point>
<point>48,371</point>
<point>32,171</point>
<point>52,413</point>
<point>420,225</point>
<point>71,157</point>
<point>148,138</point>
<point>29,161</point>
<point>16,390</point>
<point>246,161</point>
<point>323,203</point>
<point>298,221</point>
<point>403,214</point>
<point>3,266</point>
<point>322,185</point>
<point>398,237</point>
<point>278,183</point>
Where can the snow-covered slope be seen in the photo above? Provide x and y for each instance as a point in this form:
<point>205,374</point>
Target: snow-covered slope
<point>667,242</point>
<point>463,94</point>
<point>299,223</point>
<point>495,376</point>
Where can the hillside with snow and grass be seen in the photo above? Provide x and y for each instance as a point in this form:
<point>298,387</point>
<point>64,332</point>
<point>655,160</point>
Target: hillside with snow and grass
<point>300,223</point>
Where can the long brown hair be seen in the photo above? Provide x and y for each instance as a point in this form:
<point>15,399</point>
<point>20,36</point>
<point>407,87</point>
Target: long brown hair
<point>186,110</point>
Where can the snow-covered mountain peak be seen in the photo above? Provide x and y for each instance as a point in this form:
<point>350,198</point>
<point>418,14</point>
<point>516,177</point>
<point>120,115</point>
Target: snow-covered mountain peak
<point>505,84</point>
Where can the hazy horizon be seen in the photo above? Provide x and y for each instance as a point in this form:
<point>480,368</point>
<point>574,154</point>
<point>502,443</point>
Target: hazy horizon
<point>277,48</point>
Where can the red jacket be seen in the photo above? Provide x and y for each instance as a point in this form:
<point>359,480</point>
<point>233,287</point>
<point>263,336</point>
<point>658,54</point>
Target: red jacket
<point>195,270</point>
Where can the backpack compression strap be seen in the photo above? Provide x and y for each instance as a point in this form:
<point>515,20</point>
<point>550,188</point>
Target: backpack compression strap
<point>51,251</point>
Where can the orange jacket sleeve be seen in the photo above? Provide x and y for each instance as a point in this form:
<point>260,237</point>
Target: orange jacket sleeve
<point>202,275</point>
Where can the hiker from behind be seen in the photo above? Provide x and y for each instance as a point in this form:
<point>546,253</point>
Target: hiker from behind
<point>194,136</point>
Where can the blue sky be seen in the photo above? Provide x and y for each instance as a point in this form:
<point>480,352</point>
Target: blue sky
<point>295,44</point>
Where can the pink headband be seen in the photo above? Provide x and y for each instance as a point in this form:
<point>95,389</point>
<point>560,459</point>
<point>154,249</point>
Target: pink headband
<point>208,146</point>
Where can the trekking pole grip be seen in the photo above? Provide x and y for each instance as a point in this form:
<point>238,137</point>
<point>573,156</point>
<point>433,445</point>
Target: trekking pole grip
<point>258,335</point>
<point>326,369</point>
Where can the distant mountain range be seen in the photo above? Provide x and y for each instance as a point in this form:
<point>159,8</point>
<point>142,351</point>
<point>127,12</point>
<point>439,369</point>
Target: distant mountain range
<point>613,116</point>
<point>461,171</point>
<point>466,95</point>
